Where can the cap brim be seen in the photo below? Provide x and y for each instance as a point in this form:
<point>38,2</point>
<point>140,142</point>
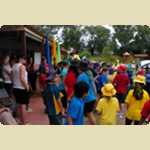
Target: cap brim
<point>108,93</point>
<point>137,81</point>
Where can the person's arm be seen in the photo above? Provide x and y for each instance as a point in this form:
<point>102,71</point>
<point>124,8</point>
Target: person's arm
<point>128,98</point>
<point>99,107</point>
<point>22,78</point>
<point>145,112</point>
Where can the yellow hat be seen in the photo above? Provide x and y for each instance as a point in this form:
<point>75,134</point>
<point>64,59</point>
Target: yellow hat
<point>76,57</point>
<point>139,79</point>
<point>108,90</point>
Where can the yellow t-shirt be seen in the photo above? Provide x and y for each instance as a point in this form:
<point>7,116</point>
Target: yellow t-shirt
<point>108,111</point>
<point>135,106</point>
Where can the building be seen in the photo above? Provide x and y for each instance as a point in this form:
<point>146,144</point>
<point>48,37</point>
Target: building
<point>16,40</point>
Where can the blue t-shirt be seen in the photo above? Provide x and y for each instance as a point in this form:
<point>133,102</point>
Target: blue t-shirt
<point>49,93</point>
<point>76,111</point>
<point>64,72</point>
<point>102,80</point>
<point>148,77</point>
<point>91,95</point>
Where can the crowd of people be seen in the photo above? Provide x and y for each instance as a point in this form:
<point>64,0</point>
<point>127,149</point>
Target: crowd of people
<point>75,92</point>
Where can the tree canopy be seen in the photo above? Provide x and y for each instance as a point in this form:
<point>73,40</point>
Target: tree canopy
<point>99,39</point>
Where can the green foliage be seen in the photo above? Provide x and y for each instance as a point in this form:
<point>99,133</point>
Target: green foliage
<point>85,53</point>
<point>99,37</point>
<point>71,37</point>
<point>133,38</point>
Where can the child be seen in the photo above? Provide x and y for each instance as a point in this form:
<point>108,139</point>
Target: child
<point>53,103</point>
<point>135,101</point>
<point>108,106</point>
<point>76,106</point>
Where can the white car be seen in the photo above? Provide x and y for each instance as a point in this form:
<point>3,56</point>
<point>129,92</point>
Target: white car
<point>145,63</point>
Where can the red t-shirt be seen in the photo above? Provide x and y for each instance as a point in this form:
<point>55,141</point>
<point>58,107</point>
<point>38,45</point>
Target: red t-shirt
<point>70,81</point>
<point>146,110</point>
<point>121,82</point>
<point>42,80</point>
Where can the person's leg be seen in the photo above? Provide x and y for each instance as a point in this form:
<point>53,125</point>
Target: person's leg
<point>55,120</point>
<point>136,122</point>
<point>91,118</point>
<point>44,102</point>
<point>88,111</point>
<point>28,96</point>
<point>64,100</point>
<point>128,121</point>
<point>22,113</point>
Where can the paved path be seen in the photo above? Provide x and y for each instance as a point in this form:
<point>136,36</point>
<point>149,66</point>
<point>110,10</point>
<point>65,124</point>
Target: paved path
<point>38,117</point>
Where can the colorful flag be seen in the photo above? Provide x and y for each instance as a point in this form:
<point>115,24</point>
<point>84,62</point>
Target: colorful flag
<point>58,53</point>
<point>54,53</point>
<point>47,50</point>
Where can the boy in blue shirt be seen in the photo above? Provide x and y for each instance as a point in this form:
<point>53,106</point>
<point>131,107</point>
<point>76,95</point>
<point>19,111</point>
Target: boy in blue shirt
<point>90,99</point>
<point>52,97</point>
<point>76,107</point>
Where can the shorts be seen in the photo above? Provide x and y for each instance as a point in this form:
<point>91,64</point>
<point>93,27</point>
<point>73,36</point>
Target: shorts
<point>89,107</point>
<point>120,97</point>
<point>21,96</point>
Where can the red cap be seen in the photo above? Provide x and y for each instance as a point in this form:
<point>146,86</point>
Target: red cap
<point>122,68</point>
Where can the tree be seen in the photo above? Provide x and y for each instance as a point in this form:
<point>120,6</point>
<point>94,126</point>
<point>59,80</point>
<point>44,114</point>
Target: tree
<point>125,36</point>
<point>141,41</point>
<point>98,38</point>
<point>71,37</point>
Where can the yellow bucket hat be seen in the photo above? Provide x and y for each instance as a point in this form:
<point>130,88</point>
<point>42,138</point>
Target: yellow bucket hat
<point>139,79</point>
<point>108,90</point>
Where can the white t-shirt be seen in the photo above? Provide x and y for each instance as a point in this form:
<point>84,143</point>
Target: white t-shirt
<point>7,73</point>
<point>16,76</point>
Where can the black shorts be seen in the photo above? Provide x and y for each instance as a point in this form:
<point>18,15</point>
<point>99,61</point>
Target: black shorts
<point>21,96</point>
<point>120,97</point>
<point>89,107</point>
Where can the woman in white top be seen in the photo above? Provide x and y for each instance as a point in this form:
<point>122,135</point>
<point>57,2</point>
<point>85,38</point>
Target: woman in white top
<point>21,87</point>
<point>7,74</point>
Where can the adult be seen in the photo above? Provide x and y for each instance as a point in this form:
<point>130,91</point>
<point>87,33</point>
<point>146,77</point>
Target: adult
<point>21,87</point>
<point>70,81</point>
<point>44,65</point>
<point>31,73</point>
<point>121,83</point>
<point>7,74</point>
<point>90,99</point>
<point>135,101</point>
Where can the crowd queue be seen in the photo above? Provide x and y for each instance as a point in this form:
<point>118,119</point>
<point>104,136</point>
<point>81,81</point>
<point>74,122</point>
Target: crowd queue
<point>75,92</point>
